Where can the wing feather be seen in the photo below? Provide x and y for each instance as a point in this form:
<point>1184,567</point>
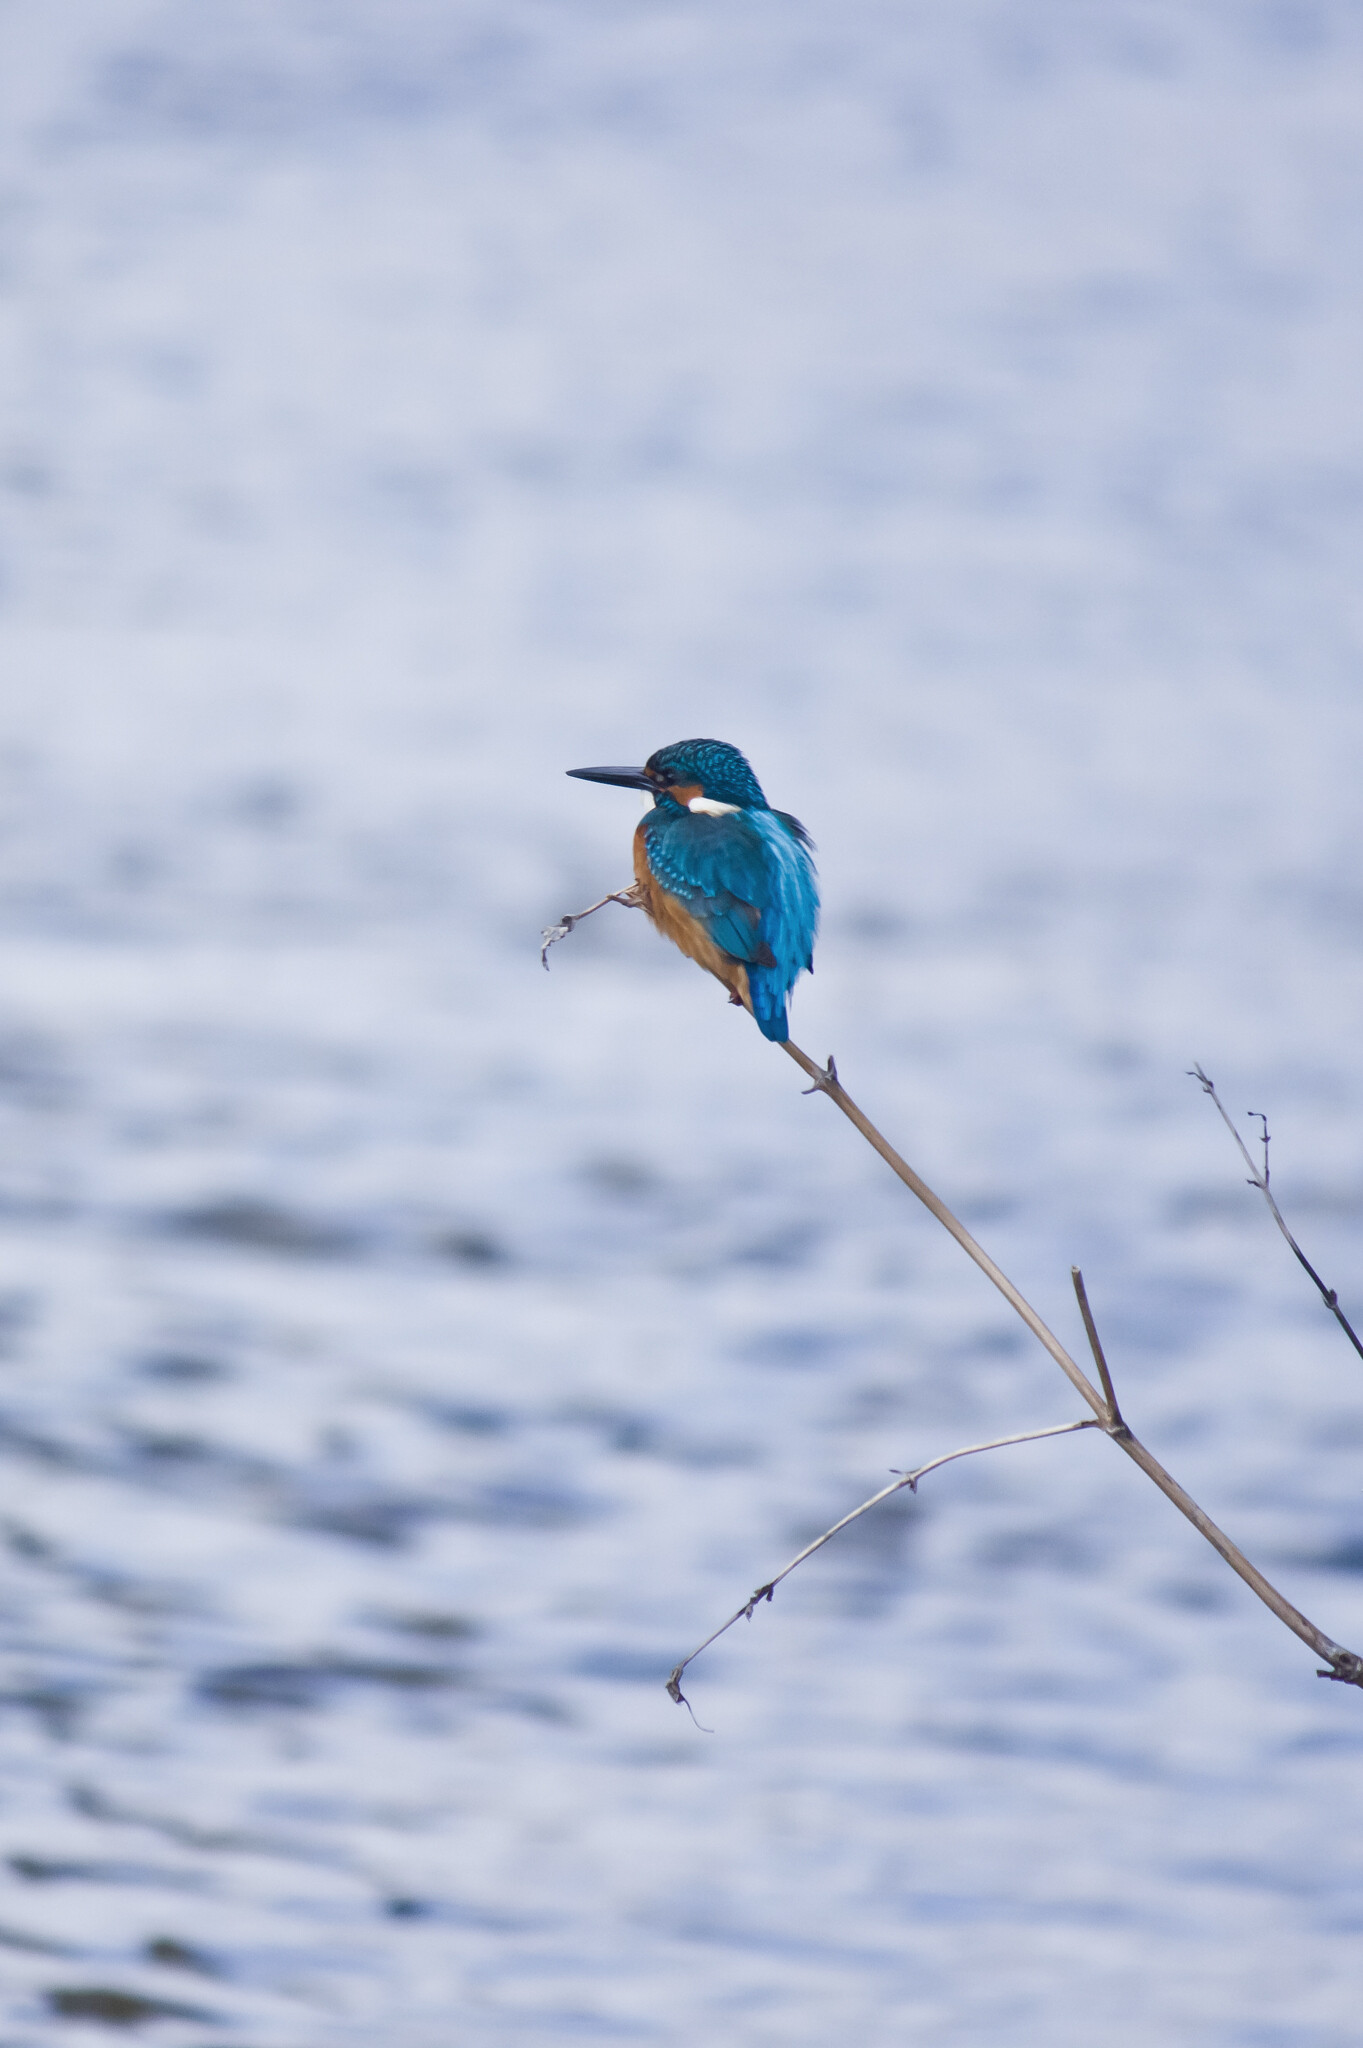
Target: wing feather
<point>747,878</point>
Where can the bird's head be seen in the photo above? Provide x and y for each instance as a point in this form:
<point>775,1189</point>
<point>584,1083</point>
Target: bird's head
<point>696,775</point>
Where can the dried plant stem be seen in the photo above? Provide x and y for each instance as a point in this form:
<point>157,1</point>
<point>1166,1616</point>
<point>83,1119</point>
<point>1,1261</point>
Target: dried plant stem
<point>826,1082</point>
<point>897,1485</point>
<point>1343,1664</point>
<point>1260,1181</point>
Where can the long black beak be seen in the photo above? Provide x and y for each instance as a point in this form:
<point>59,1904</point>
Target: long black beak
<point>627,778</point>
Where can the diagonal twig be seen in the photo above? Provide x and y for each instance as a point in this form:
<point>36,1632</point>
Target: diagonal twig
<point>826,1082</point>
<point>898,1484</point>
<point>1260,1181</point>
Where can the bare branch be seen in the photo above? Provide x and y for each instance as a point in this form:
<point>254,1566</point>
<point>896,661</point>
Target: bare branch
<point>1260,1181</point>
<point>901,1481</point>
<point>1343,1664</point>
<point>552,933</point>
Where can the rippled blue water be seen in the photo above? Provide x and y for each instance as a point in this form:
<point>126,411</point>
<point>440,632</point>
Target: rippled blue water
<point>405,1356</point>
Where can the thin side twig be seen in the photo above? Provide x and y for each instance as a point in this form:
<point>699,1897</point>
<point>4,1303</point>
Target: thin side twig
<point>1344,1665</point>
<point>897,1485</point>
<point>1114,1413</point>
<point>552,933</point>
<point>1260,1181</point>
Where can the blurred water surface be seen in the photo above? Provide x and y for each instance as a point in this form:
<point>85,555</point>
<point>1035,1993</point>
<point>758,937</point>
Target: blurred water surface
<point>404,1356</point>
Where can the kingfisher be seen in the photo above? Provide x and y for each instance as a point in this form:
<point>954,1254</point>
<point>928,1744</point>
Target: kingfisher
<point>724,876</point>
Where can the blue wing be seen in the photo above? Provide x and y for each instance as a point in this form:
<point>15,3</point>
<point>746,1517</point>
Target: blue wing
<point>749,880</point>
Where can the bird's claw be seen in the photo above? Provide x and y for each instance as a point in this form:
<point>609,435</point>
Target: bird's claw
<point>825,1079</point>
<point>551,935</point>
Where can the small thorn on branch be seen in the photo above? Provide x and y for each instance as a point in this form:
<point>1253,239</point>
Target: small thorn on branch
<point>1345,1668</point>
<point>825,1078</point>
<point>1257,1116</point>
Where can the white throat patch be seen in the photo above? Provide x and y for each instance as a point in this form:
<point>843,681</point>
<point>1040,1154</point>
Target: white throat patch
<point>708,808</point>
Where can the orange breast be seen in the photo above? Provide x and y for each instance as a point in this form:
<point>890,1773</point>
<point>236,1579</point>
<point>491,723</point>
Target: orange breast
<point>671,917</point>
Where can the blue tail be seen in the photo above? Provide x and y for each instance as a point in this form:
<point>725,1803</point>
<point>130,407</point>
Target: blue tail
<point>768,1003</point>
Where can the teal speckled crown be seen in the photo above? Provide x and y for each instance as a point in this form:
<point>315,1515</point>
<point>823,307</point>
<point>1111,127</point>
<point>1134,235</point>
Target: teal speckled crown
<point>722,772</point>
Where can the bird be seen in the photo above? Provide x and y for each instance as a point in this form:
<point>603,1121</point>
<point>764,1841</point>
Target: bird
<point>724,876</point>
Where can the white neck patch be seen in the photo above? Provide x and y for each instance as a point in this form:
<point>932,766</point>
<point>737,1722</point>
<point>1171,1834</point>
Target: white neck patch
<point>708,808</point>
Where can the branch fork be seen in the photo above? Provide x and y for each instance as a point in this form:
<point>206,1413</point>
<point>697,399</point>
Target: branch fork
<point>1339,1664</point>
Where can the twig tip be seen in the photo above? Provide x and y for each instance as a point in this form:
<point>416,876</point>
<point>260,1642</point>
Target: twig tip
<point>679,1699</point>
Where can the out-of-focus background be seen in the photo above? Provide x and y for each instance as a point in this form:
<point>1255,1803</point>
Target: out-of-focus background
<point>408,1356</point>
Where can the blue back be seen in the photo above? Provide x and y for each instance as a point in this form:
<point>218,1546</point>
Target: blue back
<point>746,877</point>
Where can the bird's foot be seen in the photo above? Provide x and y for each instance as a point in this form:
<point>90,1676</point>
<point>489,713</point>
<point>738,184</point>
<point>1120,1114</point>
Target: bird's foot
<point>825,1079</point>
<point>552,933</point>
